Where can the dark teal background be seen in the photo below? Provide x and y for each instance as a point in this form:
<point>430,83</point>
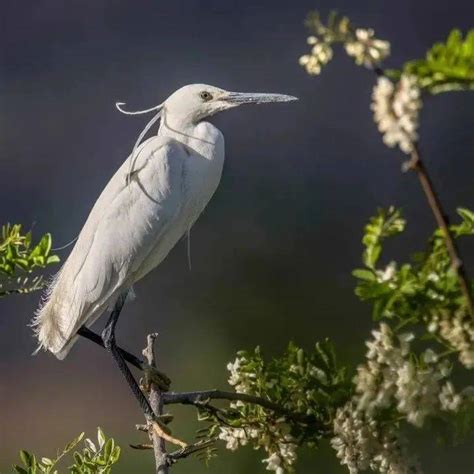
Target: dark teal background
<point>272,254</point>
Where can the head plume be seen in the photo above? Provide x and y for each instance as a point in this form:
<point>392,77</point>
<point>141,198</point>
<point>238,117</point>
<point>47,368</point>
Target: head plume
<point>134,156</point>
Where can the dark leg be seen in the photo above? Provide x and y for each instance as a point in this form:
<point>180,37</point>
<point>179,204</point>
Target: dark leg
<point>92,336</point>
<point>108,338</point>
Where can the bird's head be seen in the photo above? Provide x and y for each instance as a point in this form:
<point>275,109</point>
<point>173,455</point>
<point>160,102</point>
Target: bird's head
<point>195,102</point>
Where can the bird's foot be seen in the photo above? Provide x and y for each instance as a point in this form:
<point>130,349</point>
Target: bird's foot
<point>160,429</point>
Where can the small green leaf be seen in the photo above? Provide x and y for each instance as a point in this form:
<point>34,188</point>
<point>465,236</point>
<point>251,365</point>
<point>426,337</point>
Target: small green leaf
<point>73,443</point>
<point>52,259</point>
<point>79,460</point>
<point>20,470</point>
<point>364,274</point>
<point>26,458</point>
<point>100,437</point>
<point>108,448</point>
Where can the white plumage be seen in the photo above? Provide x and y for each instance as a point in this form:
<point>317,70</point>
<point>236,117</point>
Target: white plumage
<point>149,204</point>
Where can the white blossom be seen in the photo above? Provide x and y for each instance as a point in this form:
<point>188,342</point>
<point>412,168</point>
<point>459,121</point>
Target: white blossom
<point>240,381</point>
<point>396,108</point>
<point>274,463</point>
<point>236,437</point>
<point>388,273</point>
<point>355,439</point>
<point>459,332</point>
<point>417,392</point>
<point>430,356</point>
<point>366,49</point>
<point>321,54</point>
<point>361,444</point>
<point>389,376</point>
<point>285,456</point>
<point>449,399</point>
<point>280,447</point>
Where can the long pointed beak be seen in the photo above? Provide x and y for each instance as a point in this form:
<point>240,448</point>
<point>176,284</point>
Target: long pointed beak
<point>256,98</point>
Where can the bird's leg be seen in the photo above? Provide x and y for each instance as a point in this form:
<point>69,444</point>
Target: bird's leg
<point>130,358</point>
<point>153,374</point>
<point>108,338</point>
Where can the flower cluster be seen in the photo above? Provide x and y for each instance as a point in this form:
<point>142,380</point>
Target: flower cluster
<point>391,376</point>
<point>361,419</point>
<point>359,43</point>
<point>396,108</point>
<point>307,386</point>
<point>240,380</point>
<point>365,49</point>
<point>458,331</point>
<point>449,399</point>
<point>360,443</point>
<point>236,437</point>
<point>321,54</point>
<point>280,447</point>
<point>273,438</point>
<point>283,457</point>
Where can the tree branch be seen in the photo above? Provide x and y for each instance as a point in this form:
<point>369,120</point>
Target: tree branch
<point>201,397</point>
<point>416,164</point>
<point>173,457</point>
<point>156,403</point>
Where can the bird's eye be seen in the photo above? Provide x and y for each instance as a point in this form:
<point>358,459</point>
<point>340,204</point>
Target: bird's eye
<point>206,96</point>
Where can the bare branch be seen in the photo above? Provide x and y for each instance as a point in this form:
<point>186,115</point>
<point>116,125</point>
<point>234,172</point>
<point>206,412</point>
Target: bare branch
<point>141,446</point>
<point>156,404</point>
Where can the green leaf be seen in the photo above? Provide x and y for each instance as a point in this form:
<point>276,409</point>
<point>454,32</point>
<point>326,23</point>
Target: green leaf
<point>17,259</point>
<point>79,460</point>
<point>73,443</point>
<point>20,470</point>
<point>108,448</point>
<point>385,224</point>
<point>52,259</point>
<point>447,66</point>
<point>115,455</point>
<point>27,458</point>
<point>364,274</point>
<point>100,437</point>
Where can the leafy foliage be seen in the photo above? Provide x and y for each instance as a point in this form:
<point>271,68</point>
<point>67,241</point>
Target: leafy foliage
<point>384,224</point>
<point>308,386</point>
<point>92,459</point>
<point>417,289</point>
<point>31,465</point>
<point>405,378</point>
<point>447,66</point>
<point>19,258</point>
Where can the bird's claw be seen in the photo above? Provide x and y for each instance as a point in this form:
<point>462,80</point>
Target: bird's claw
<point>161,430</point>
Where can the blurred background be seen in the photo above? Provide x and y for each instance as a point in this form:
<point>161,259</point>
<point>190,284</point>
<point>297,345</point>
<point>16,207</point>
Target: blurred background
<point>273,252</point>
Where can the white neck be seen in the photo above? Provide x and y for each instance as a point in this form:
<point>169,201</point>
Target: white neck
<point>198,136</point>
<point>170,125</point>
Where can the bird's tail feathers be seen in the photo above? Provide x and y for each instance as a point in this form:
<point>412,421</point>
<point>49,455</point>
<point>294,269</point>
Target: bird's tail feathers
<point>50,321</point>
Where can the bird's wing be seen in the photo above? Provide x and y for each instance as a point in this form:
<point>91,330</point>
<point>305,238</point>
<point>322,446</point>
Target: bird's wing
<point>123,227</point>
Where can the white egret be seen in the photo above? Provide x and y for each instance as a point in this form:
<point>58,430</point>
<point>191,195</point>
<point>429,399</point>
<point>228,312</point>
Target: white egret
<point>149,204</point>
